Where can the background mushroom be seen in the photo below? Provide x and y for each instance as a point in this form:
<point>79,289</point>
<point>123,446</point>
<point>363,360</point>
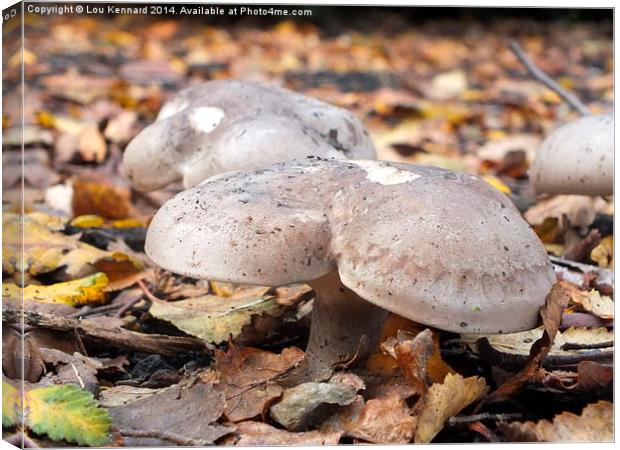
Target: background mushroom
<point>227,125</point>
<point>442,248</point>
<point>577,158</point>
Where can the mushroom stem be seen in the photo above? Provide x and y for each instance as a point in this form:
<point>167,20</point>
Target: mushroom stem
<point>344,327</point>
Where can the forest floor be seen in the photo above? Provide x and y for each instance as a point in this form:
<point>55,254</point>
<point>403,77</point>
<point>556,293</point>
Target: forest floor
<point>446,92</point>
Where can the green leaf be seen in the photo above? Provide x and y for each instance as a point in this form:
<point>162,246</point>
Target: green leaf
<point>10,404</point>
<point>66,412</point>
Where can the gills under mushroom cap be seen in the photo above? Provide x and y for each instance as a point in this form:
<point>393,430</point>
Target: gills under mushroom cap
<point>439,247</point>
<point>227,125</point>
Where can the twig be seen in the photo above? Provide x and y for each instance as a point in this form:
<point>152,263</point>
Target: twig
<point>452,421</point>
<point>117,336</point>
<point>164,435</point>
<point>77,375</point>
<point>148,293</point>
<point>541,76</point>
<point>121,312</point>
<point>88,311</point>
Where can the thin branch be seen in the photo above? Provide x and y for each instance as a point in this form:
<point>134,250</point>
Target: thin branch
<point>541,76</point>
<point>112,335</point>
<point>484,416</point>
<point>165,436</point>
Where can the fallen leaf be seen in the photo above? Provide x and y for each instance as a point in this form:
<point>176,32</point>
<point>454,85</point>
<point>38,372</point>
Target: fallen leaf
<point>444,401</point>
<point>385,420</point>
<point>591,301</point>
<point>37,172</point>
<point>594,424</point>
<point>73,86</point>
<point>28,135</point>
<point>215,318</point>
<point>412,357</point>
<point>190,412</point>
<point>579,210</point>
<point>603,253</point>
<point>447,85</point>
<point>551,314</point>
<point>308,404</point>
<point>510,351</point>
<point>107,200</point>
<point>590,377</point>
<point>88,290</point>
<point>121,128</point>
<point>92,146</point>
<point>47,250</point>
<point>247,376</point>
<point>258,433</point>
<point>11,404</point>
<point>68,413</point>
<point>21,357</point>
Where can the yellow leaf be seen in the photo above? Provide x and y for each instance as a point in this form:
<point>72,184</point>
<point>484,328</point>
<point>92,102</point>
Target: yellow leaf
<point>496,183</point>
<point>445,400</point>
<point>127,223</point>
<point>46,119</point>
<point>594,424</point>
<point>46,250</point>
<point>66,412</point>
<point>86,290</point>
<point>603,253</point>
<point>88,221</point>
<point>11,404</point>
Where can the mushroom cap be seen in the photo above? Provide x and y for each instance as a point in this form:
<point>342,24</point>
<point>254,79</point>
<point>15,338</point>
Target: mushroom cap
<point>577,158</point>
<point>439,247</point>
<point>227,125</point>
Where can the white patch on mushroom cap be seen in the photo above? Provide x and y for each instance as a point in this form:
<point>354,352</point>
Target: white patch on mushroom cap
<point>384,174</point>
<point>205,118</point>
<point>171,108</point>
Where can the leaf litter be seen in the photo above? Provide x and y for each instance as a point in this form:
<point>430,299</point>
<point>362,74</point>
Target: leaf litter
<point>442,98</point>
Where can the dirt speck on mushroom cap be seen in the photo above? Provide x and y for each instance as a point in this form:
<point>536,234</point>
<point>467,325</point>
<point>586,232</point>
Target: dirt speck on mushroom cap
<point>440,247</point>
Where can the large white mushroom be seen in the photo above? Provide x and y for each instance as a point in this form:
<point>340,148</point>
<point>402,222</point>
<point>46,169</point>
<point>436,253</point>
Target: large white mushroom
<point>228,125</point>
<point>577,158</point>
<point>442,248</point>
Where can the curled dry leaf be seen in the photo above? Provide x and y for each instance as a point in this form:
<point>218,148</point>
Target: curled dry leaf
<point>579,210</point>
<point>593,302</point>
<point>590,376</point>
<point>510,351</point>
<point>21,361</point>
<point>551,314</point>
<point>594,424</point>
<point>444,401</point>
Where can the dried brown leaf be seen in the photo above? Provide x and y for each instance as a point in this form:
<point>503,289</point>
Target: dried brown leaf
<point>258,433</point>
<point>594,424</point>
<point>444,401</point>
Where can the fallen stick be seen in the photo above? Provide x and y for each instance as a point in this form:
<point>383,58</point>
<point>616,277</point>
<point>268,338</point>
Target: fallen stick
<point>119,337</point>
<point>457,420</point>
<point>541,76</point>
